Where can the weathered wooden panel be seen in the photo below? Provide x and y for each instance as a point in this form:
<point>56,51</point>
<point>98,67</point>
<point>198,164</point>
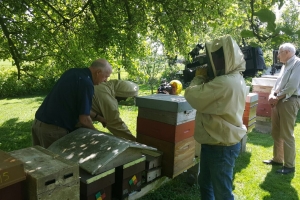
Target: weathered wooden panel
<point>177,157</point>
<point>166,132</point>
<point>173,118</point>
<point>49,176</point>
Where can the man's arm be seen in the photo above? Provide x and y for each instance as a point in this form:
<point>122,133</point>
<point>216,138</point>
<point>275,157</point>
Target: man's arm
<point>86,121</point>
<point>97,117</point>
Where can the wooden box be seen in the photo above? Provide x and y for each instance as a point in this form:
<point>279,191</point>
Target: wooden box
<point>172,103</point>
<point>94,187</point>
<point>252,98</point>
<point>263,110</point>
<point>250,112</point>
<point>128,178</point>
<point>261,89</point>
<point>49,176</point>
<point>12,176</point>
<point>152,174</point>
<point>166,132</point>
<point>176,158</point>
<point>263,84</point>
<point>263,98</point>
<point>173,118</point>
<point>248,121</point>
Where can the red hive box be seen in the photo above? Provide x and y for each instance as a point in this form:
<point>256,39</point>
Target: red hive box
<point>163,131</point>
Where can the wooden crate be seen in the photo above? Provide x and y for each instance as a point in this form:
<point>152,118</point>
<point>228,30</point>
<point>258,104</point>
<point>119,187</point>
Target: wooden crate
<point>128,178</point>
<point>12,176</point>
<point>247,121</point>
<point>263,98</point>
<point>176,158</point>
<point>168,117</point>
<point>49,176</point>
<point>166,132</point>
<point>95,186</point>
<point>251,112</point>
<point>263,110</point>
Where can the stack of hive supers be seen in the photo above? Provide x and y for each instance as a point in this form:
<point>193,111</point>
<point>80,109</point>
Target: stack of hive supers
<point>249,117</point>
<point>263,86</point>
<point>166,122</point>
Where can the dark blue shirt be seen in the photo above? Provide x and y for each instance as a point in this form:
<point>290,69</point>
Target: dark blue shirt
<point>70,97</point>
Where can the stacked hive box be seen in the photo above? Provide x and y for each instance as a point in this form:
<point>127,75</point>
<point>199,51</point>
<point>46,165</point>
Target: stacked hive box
<point>48,175</point>
<point>263,87</point>
<point>12,176</point>
<point>167,123</point>
<point>249,117</point>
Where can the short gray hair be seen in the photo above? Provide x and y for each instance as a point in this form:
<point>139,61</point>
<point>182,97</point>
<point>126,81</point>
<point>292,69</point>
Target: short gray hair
<point>288,46</point>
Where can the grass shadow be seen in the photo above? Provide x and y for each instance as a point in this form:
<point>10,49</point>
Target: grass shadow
<point>284,190</point>
<point>15,135</point>
<point>260,139</point>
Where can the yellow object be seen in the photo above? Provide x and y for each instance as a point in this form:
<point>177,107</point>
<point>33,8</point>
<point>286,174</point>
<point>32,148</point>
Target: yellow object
<point>201,71</point>
<point>176,87</point>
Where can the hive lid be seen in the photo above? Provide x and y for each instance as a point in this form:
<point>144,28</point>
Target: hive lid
<point>173,103</point>
<point>97,152</point>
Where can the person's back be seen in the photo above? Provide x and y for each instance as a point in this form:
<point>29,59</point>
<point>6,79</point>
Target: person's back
<point>62,106</point>
<point>105,103</point>
<point>219,94</point>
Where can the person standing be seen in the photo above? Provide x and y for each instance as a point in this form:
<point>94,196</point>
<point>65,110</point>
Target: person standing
<point>285,102</point>
<point>105,105</point>
<point>68,103</point>
<point>218,93</point>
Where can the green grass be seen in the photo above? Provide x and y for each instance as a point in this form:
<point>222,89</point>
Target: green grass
<point>252,179</point>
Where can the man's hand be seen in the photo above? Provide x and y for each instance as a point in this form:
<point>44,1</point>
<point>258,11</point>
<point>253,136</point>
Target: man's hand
<point>101,120</point>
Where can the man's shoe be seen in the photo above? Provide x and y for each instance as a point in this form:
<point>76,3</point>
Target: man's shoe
<point>271,162</point>
<point>286,170</point>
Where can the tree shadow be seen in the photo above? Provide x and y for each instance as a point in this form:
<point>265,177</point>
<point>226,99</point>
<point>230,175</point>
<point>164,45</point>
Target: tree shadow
<point>279,186</point>
<point>15,135</point>
<point>260,139</point>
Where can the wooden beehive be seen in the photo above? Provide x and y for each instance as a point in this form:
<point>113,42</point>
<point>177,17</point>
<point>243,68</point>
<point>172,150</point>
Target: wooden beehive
<point>167,123</point>
<point>98,153</point>
<point>12,176</point>
<point>49,176</point>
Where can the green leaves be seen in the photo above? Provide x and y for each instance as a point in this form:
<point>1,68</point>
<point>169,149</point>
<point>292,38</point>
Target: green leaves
<point>266,15</point>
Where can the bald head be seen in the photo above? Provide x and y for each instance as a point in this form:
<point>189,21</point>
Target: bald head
<point>101,70</point>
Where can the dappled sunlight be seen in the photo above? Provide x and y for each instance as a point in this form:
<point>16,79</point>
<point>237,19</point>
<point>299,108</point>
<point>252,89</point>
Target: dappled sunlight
<point>82,160</point>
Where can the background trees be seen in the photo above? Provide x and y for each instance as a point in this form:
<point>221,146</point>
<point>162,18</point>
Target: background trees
<point>45,37</point>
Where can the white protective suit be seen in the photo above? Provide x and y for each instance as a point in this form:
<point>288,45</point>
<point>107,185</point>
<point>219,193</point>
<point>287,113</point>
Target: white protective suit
<point>105,104</point>
<point>220,102</point>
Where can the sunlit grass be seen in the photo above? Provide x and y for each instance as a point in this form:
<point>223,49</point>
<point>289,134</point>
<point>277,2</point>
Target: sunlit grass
<point>252,179</point>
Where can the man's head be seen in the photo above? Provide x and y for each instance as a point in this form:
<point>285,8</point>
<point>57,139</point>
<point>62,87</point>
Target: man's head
<point>101,70</point>
<point>286,51</point>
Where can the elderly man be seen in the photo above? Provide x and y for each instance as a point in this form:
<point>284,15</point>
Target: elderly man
<point>68,103</point>
<point>285,103</point>
<point>218,93</point>
<point>105,105</point>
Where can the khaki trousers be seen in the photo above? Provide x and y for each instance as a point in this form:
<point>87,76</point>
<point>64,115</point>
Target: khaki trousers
<point>45,134</point>
<point>284,115</point>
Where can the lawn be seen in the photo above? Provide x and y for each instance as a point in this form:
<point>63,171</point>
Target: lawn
<point>252,179</point>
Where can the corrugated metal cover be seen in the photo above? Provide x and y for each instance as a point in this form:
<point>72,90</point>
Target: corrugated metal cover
<point>96,151</point>
<point>164,102</point>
